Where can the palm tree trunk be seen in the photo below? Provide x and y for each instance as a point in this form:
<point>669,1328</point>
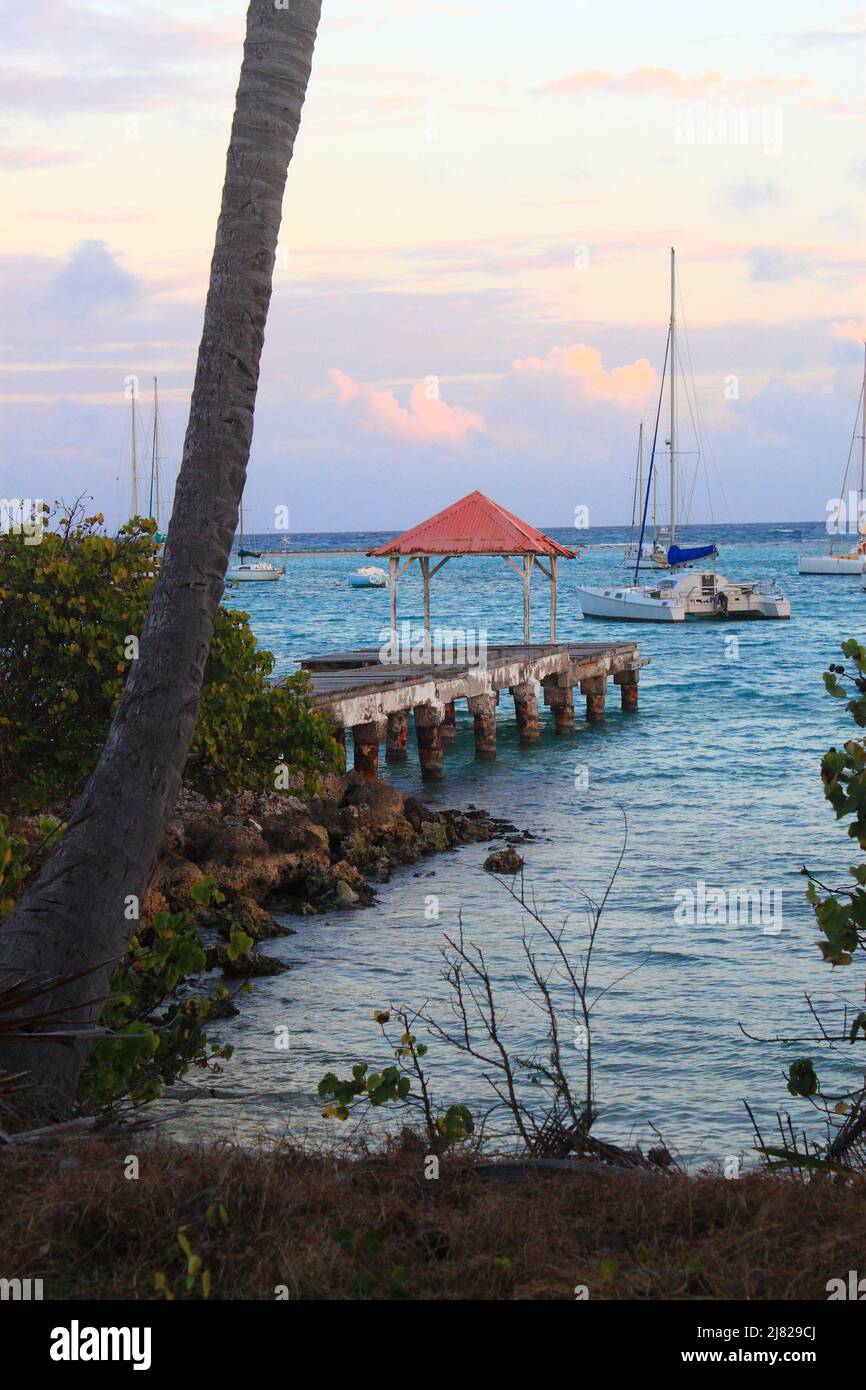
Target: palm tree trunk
<point>76,914</point>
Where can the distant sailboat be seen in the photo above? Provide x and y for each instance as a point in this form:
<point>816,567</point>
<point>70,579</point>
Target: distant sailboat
<point>682,595</point>
<point>159,538</point>
<point>134,508</point>
<point>849,561</point>
<point>261,572</point>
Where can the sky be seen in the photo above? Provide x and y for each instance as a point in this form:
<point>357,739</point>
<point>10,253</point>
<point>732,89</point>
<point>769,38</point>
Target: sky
<point>472,283</point>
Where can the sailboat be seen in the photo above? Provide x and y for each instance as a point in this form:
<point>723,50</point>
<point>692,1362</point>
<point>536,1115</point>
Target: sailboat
<point>631,555</point>
<point>850,561</point>
<point>134,508</point>
<point>685,593</point>
<point>261,572</point>
<point>159,538</point>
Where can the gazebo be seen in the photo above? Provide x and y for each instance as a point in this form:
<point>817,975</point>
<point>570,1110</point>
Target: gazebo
<point>476,525</point>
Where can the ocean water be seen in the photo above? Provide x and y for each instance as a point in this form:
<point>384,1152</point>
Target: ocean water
<point>718,776</point>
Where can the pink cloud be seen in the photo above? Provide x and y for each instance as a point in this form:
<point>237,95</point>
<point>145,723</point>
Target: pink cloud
<point>626,385</point>
<point>427,420</point>
<point>34,156</point>
<point>648,81</point>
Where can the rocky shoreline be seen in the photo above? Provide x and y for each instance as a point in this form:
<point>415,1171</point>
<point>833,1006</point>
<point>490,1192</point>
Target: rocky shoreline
<point>272,853</point>
<point>269,852</point>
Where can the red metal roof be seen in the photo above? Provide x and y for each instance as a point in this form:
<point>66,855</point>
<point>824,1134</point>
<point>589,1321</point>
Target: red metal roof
<point>476,525</point>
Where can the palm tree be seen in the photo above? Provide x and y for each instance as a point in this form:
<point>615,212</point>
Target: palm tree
<point>77,915</point>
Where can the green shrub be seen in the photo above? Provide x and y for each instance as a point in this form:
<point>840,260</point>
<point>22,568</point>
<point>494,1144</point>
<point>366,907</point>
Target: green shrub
<point>159,1025</point>
<point>67,609</point>
<point>840,913</point>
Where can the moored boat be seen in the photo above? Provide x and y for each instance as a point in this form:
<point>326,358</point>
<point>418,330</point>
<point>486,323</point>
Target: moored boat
<point>683,594</point>
<point>851,561</point>
<point>260,571</point>
<point>368,577</point>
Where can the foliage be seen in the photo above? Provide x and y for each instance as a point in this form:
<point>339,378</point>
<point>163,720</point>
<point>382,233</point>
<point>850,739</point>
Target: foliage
<point>13,868</point>
<point>196,1281</point>
<point>394,1083</point>
<point>158,1025</point>
<point>159,1029</point>
<point>71,609</point>
<point>840,913</point>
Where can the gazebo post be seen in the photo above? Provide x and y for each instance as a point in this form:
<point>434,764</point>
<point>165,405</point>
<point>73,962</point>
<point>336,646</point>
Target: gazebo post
<point>528,562</point>
<point>425,575</point>
<point>553,564</point>
<point>394,562</point>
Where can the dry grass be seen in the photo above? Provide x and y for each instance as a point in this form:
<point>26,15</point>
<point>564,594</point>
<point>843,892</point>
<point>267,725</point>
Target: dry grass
<point>72,1218</point>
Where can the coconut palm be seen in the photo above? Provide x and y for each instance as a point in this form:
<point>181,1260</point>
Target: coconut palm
<point>80,912</point>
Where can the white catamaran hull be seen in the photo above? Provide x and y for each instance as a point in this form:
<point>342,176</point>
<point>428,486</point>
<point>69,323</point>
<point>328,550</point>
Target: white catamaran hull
<point>684,596</point>
<point>626,605</point>
<point>832,564</point>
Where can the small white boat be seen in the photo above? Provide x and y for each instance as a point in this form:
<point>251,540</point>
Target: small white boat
<point>368,577</point>
<point>686,595</point>
<point>850,561</point>
<point>262,572</point>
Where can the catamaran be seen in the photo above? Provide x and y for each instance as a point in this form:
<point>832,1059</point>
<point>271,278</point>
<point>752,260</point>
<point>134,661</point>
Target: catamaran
<point>848,561</point>
<point>684,593</point>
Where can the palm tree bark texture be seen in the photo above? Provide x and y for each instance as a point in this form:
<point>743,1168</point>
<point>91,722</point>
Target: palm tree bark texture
<point>77,913</point>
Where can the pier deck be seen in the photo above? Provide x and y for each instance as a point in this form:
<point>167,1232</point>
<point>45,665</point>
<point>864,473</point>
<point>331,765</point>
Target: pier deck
<point>358,691</point>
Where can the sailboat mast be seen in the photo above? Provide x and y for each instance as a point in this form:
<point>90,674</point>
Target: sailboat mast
<point>154,457</point>
<point>673,439</point>
<point>640,460</point>
<point>655,506</point>
<point>133,500</point>
<point>863,436</point>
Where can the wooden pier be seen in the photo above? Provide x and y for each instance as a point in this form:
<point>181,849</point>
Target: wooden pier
<point>372,698</point>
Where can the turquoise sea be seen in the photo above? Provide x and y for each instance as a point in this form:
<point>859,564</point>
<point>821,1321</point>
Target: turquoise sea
<point>719,776</point>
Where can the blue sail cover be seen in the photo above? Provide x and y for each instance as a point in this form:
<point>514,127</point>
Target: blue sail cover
<point>676,556</point>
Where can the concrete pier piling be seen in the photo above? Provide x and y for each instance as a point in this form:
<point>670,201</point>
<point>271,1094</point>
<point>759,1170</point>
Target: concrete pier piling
<point>366,739</point>
<point>428,733</point>
<point>628,683</point>
<point>595,689</point>
<point>397,737</point>
<point>483,710</point>
<point>357,691</point>
<point>560,698</point>
<point>525,698</point>
<point>448,732</point>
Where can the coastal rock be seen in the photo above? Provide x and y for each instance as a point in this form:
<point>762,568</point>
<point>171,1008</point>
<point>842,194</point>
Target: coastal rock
<point>272,851</point>
<point>344,896</point>
<point>173,880</point>
<point>253,963</point>
<point>250,917</point>
<point>504,861</point>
